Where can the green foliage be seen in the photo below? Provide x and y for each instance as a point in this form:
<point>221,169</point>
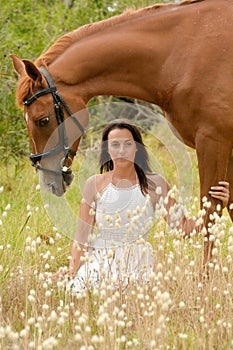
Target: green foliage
<point>28,28</point>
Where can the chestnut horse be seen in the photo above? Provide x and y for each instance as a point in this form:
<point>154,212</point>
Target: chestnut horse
<point>178,56</point>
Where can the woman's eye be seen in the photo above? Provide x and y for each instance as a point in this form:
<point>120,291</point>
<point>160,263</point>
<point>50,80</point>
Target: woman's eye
<point>43,121</point>
<point>115,144</point>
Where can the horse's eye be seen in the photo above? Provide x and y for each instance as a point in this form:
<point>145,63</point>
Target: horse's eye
<point>43,122</point>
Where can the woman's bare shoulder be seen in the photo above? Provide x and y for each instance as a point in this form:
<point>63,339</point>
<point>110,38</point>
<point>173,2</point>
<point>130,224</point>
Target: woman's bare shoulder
<point>157,179</point>
<point>96,183</point>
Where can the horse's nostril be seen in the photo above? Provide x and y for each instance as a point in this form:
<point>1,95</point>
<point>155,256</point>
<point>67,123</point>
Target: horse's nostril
<point>68,177</point>
<point>56,189</point>
<point>51,188</point>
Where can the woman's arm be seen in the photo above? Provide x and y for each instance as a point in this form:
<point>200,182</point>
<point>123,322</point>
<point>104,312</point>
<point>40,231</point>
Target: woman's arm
<point>86,221</point>
<point>174,213</point>
<point>220,192</point>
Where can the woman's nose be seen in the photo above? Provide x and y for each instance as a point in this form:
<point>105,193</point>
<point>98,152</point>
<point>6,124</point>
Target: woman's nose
<point>122,149</point>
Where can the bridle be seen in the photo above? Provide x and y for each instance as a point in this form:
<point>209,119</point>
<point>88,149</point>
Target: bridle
<point>62,145</point>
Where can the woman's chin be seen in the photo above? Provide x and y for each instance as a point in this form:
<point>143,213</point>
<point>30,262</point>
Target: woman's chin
<point>123,161</point>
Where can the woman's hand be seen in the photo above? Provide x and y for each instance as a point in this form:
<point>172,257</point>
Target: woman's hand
<point>221,192</point>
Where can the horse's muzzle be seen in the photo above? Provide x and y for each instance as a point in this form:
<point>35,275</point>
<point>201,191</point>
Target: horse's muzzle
<point>59,184</point>
<point>68,177</point>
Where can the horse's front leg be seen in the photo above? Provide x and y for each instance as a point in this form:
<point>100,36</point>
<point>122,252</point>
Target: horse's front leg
<point>230,180</point>
<point>213,155</point>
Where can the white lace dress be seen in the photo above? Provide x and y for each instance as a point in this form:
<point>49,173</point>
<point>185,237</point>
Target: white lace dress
<point>119,250</point>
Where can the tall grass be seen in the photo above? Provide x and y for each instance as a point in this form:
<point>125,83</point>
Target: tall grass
<point>175,310</point>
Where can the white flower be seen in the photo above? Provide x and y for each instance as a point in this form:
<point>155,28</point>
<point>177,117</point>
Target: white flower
<point>8,207</point>
<point>23,333</point>
<point>181,304</point>
<point>53,316</point>
<point>31,298</point>
<point>51,241</point>
<point>28,240</point>
<point>214,251</point>
<point>92,212</point>
<point>38,240</point>
<point>201,319</point>
<point>182,335</point>
<point>206,204</point>
<point>158,190</point>
<point>48,293</point>
<point>128,213</point>
<point>45,307</point>
<point>225,269</point>
<point>49,343</point>
<point>211,238</point>
<point>57,236</point>
<point>78,338</point>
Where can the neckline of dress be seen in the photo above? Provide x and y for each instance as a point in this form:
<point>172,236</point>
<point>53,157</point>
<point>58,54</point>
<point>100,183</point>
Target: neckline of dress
<point>122,188</point>
<point>114,187</point>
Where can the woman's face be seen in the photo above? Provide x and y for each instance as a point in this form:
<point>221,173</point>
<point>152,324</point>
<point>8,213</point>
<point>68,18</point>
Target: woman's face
<point>121,146</point>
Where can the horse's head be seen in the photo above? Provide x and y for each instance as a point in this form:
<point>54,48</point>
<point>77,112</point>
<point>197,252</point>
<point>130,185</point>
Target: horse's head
<point>53,129</point>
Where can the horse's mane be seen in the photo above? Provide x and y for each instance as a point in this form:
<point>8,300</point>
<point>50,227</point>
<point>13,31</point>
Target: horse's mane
<point>72,37</point>
<point>67,40</point>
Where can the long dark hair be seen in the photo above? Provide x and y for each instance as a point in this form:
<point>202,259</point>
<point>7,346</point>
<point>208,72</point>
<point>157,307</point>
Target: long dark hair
<point>141,161</point>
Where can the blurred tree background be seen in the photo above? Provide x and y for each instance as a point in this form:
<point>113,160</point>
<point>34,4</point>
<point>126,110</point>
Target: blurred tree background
<point>28,28</point>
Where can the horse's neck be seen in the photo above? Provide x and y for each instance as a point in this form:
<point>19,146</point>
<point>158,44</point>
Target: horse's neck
<point>119,61</point>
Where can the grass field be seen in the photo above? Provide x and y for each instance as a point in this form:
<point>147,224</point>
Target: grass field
<point>176,310</point>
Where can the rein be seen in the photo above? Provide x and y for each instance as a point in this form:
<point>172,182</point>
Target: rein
<point>62,145</point>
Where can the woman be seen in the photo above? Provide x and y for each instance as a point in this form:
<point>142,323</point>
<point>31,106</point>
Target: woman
<point>120,203</point>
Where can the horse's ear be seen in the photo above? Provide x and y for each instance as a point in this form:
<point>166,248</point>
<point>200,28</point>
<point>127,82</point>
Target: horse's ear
<point>18,65</point>
<point>32,71</point>
<point>23,67</point>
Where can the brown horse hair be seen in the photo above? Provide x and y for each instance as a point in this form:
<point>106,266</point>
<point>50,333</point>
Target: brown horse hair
<point>25,84</point>
<point>67,40</point>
